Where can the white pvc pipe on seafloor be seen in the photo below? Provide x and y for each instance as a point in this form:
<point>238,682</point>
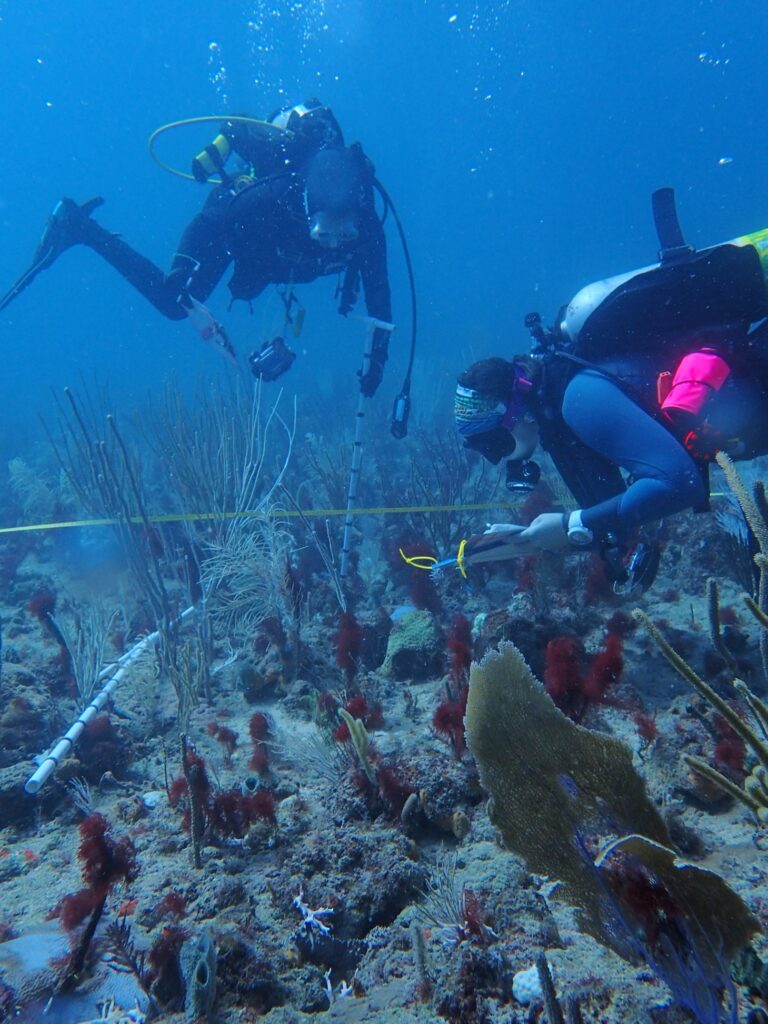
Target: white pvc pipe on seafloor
<point>115,672</point>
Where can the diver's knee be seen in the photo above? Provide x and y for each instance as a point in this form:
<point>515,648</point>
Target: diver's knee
<point>173,310</point>
<point>172,304</point>
<point>689,483</point>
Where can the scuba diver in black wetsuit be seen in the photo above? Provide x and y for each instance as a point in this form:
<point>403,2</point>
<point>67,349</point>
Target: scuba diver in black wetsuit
<point>652,372</point>
<point>304,210</point>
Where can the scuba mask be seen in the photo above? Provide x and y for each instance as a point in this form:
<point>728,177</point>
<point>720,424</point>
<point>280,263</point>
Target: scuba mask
<point>332,231</point>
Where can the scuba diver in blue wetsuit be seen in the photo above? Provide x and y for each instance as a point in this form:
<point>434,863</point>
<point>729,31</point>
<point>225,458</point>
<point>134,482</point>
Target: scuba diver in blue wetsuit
<point>652,372</point>
<point>303,209</point>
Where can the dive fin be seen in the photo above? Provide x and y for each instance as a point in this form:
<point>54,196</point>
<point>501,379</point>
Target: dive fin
<point>19,285</point>
<point>63,229</point>
<point>209,329</point>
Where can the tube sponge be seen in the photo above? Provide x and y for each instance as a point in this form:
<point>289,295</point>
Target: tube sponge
<point>198,968</point>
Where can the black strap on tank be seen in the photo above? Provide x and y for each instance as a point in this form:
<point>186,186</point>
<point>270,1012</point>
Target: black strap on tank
<point>673,245</point>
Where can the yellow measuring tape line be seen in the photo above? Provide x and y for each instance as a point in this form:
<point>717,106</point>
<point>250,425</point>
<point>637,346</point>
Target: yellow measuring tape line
<point>311,513</point>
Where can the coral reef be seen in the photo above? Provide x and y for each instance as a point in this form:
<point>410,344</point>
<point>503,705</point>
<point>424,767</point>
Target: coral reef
<point>415,649</point>
<point>334,810</point>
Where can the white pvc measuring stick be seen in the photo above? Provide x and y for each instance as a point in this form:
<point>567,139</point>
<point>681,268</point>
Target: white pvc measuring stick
<point>115,671</point>
<point>357,446</point>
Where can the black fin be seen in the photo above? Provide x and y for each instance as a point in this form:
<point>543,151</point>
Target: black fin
<point>57,236</point>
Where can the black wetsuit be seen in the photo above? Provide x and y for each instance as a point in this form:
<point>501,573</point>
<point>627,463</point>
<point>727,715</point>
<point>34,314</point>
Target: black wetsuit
<point>262,230</point>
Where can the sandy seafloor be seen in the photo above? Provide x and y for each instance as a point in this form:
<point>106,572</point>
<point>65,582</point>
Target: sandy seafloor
<point>369,866</point>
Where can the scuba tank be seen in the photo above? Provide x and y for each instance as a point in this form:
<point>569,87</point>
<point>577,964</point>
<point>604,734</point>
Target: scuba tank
<point>211,160</point>
<point>686,290</point>
<point>690,313</point>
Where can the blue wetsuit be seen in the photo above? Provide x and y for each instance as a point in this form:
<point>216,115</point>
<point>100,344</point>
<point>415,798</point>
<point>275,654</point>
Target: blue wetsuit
<point>592,424</point>
<point>665,479</point>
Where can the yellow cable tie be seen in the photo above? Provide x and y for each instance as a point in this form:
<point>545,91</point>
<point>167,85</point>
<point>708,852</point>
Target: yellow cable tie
<point>418,561</point>
<point>460,558</point>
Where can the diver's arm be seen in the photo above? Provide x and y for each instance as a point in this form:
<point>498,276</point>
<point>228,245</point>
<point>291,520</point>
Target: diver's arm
<point>373,272</point>
<point>664,477</point>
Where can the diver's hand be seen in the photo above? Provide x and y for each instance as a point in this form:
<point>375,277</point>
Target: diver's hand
<point>370,381</point>
<point>547,532</point>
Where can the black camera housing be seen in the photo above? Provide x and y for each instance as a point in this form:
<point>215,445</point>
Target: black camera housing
<point>272,360</point>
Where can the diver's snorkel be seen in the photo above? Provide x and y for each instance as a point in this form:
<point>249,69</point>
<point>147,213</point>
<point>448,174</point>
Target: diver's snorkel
<point>211,160</point>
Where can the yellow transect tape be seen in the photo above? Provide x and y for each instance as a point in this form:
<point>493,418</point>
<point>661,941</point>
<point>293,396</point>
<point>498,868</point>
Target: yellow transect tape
<point>312,513</point>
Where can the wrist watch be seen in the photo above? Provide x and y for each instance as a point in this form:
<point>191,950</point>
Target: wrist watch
<point>578,534</point>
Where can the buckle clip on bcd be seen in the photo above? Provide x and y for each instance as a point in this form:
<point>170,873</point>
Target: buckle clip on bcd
<point>289,299</point>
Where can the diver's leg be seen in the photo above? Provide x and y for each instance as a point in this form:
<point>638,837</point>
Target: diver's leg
<point>164,291</point>
<point>197,267</point>
<point>665,477</point>
<point>204,251</point>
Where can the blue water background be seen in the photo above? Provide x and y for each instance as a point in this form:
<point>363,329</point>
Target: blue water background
<point>520,141</point>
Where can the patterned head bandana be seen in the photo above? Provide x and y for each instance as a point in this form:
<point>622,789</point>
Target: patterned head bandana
<point>475,413</point>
